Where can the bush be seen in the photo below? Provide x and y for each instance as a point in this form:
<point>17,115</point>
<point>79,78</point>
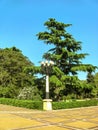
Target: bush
<point>22,103</point>
<point>8,92</point>
<point>74,104</point>
<point>29,93</point>
<point>56,105</point>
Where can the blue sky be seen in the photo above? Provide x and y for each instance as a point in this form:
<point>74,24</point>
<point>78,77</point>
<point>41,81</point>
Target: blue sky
<point>21,20</point>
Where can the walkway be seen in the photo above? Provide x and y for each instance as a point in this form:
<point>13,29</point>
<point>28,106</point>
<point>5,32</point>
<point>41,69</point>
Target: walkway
<point>15,118</point>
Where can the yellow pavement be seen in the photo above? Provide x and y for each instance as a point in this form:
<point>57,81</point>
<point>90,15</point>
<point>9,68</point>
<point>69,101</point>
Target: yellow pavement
<point>15,118</point>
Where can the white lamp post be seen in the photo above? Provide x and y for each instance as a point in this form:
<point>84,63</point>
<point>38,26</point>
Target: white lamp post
<point>46,66</point>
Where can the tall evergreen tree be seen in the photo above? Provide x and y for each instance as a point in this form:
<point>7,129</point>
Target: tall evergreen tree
<point>66,55</point>
<point>66,49</point>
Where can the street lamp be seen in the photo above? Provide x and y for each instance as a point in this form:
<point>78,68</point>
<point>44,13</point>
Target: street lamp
<point>46,69</point>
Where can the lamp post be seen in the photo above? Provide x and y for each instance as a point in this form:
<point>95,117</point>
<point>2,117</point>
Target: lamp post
<point>46,68</point>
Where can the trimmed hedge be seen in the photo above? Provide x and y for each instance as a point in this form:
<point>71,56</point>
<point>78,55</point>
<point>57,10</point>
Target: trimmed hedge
<point>75,104</point>
<point>56,105</point>
<point>22,103</point>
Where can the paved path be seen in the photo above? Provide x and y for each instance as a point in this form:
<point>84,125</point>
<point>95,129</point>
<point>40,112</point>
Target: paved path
<point>15,118</point>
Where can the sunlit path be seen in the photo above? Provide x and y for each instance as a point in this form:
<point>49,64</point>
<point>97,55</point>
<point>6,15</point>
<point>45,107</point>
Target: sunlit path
<point>15,118</point>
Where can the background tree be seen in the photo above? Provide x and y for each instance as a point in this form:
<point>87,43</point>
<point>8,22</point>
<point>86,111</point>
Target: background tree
<point>96,79</point>
<point>95,91</point>
<point>13,72</point>
<point>66,55</point>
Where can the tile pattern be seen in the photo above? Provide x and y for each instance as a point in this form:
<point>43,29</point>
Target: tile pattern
<point>68,119</point>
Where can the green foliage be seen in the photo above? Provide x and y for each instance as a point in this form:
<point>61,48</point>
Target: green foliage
<point>17,72</point>
<point>66,49</point>
<point>9,91</point>
<point>13,74</point>
<point>95,91</point>
<point>96,79</point>
<point>56,105</point>
<point>74,104</point>
<point>67,56</point>
<point>30,93</point>
<point>22,103</point>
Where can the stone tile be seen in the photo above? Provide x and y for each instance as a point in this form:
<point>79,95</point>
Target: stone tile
<point>81,124</point>
<point>15,118</point>
<point>49,128</point>
<point>55,119</point>
<point>9,121</point>
<point>94,119</point>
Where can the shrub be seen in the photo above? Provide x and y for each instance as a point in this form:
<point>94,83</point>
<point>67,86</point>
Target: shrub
<point>8,92</point>
<point>74,104</point>
<point>29,93</point>
<point>22,103</point>
<point>56,105</point>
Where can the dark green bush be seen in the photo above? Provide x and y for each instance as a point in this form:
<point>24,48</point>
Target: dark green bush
<point>22,103</point>
<point>74,104</point>
<point>56,105</point>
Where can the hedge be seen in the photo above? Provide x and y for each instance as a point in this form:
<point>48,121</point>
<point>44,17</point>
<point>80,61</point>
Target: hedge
<point>75,104</point>
<point>56,105</point>
<point>22,103</point>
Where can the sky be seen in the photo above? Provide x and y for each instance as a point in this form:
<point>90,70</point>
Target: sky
<point>21,20</point>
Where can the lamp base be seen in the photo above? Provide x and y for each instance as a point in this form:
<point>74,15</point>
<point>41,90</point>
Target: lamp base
<point>47,104</point>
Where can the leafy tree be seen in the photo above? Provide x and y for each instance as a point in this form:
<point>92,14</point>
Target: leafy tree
<point>13,75</point>
<point>96,79</point>
<point>41,86</point>
<point>66,55</point>
<point>90,78</point>
<point>95,91</point>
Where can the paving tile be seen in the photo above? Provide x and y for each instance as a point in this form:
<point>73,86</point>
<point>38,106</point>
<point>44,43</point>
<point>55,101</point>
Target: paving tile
<point>81,124</point>
<point>15,118</point>
<point>11,121</point>
<point>94,119</point>
<point>55,119</point>
<point>49,128</point>
<point>77,116</point>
